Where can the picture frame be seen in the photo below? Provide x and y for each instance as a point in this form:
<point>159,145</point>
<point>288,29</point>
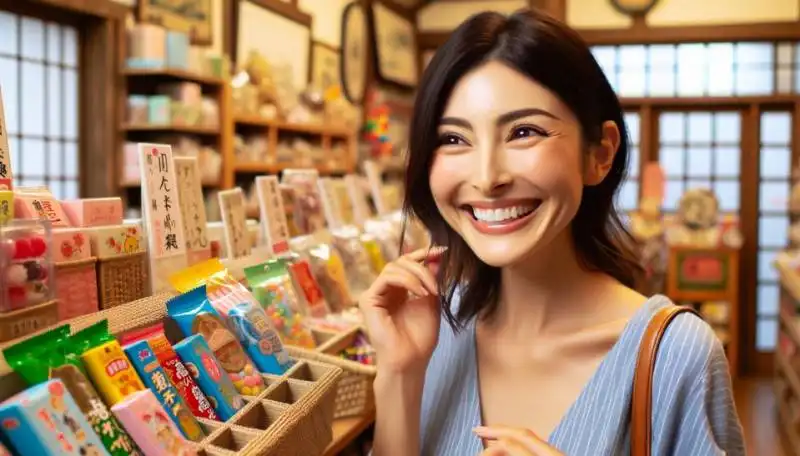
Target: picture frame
<point>194,17</point>
<point>325,62</point>
<point>354,53</point>
<point>394,37</point>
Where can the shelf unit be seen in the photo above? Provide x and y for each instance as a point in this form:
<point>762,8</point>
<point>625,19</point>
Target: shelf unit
<point>145,82</point>
<point>787,355</point>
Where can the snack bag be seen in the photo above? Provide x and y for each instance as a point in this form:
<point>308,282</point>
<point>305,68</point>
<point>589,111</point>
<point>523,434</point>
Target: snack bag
<point>51,355</point>
<point>347,241</point>
<point>151,428</point>
<point>373,249</point>
<point>154,377</point>
<point>194,315</point>
<point>44,420</point>
<point>241,312</point>
<point>387,236</point>
<point>273,288</point>
<point>176,371</point>
<point>210,375</point>
<point>106,363</point>
<point>328,270</point>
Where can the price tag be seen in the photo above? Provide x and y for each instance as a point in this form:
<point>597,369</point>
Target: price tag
<point>234,223</point>
<point>274,225</point>
<point>193,210</point>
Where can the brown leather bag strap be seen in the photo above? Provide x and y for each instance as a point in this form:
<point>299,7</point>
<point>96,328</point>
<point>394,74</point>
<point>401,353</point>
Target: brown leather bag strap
<point>642,399</point>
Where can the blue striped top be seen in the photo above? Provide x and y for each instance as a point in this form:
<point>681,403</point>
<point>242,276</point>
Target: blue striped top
<point>693,409</point>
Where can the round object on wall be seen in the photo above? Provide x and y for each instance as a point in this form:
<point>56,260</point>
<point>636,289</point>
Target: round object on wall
<point>634,7</point>
<point>354,52</point>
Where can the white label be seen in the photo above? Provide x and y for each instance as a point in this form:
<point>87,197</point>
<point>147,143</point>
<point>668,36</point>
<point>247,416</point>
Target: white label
<point>373,172</point>
<point>162,215</point>
<point>274,225</point>
<point>329,207</point>
<point>5,152</point>
<point>361,212</point>
<point>193,209</point>
<point>234,223</point>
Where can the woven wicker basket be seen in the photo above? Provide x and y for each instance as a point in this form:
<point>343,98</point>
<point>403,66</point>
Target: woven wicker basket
<point>27,321</point>
<point>354,394</point>
<point>292,416</point>
<point>122,279</point>
<point>76,287</point>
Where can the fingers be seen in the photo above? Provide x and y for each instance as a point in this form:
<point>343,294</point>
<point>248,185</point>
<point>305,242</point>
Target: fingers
<point>428,254</point>
<point>514,440</point>
<point>422,273</point>
<point>400,279</point>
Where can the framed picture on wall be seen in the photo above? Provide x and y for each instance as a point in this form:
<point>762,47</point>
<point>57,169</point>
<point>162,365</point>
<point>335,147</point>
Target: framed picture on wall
<point>324,66</point>
<point>190,16</point>
<point>395,47</point>
<point>354,52</point>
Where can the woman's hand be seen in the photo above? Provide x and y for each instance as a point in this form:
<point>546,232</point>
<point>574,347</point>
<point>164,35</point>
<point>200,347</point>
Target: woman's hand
<point>401,311</point>
<point>507,441</point>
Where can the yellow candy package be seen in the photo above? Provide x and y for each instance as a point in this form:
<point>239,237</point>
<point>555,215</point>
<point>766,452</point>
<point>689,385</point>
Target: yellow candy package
<point>328,269</point>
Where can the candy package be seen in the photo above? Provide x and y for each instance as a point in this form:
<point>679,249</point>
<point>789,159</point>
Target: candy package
<point>347,241</point>
<point>273,288</point>
<point>44,420</point>
<point>376,259</point>
<point>360,350</point>
<point>241,312</point>
<point>328,269</point>
<point>150,426</point>
<point>307,204</point>
<point>194,315</point>
<point>153,376</point>
<point>51,355</point>
<point>387,235</point>
<point>209,374</point>
<point>176,371</point>
<point>106,363</point>
<point>26,267</point>
<point>312,301</point>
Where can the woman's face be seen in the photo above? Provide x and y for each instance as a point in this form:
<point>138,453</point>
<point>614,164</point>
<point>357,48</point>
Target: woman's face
<point>509,170</point>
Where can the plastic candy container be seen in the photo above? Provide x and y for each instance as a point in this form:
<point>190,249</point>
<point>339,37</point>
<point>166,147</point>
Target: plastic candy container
<point>25,264</point>
<point>361,351</point>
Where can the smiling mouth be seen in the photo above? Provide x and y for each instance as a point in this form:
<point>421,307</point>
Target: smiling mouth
<point>501,217</point>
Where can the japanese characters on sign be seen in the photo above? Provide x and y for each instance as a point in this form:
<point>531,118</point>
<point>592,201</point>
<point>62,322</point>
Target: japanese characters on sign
<point>162,214</point>
<point>234,223</point>
<point>5,152</point>
<point>193,210</point>
<point>273,215</point>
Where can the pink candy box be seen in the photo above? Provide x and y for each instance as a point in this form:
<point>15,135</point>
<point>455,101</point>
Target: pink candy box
<point>150,426</point>
<point>70,244</point>
<point>40,207</point>
<point>93,211</point>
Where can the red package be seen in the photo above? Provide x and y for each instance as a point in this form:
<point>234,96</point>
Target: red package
<point>176,371</point>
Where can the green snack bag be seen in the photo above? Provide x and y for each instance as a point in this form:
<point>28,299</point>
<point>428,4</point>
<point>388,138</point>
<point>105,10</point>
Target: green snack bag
<point>54,355</point>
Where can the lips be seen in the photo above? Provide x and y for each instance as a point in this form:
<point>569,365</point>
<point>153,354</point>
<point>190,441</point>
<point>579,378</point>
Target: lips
<point>501,216</point>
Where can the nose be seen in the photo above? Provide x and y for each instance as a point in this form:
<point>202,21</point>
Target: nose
<point>490,172</point>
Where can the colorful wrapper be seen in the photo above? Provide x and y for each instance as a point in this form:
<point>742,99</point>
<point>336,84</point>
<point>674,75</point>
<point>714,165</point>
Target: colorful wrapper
<point>150,426</point>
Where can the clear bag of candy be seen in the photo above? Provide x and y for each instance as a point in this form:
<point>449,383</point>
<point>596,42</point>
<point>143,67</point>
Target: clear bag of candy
<point>328,268</point>
<point>347,241</point>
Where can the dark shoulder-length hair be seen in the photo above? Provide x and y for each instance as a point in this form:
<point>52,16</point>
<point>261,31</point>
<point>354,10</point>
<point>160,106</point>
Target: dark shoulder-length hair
<point>555,56</point>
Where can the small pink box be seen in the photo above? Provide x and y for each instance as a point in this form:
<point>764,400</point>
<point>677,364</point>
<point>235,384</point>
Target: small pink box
<point>70,244</point>
<point>39,207</point>
<point>76,288</point>
<point>94,211</point>
<point>150,426</point>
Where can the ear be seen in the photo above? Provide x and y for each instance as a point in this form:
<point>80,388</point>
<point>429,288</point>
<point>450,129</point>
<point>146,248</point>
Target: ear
<point>601,156</point>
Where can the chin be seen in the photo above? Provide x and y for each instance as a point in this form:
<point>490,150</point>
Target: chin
<point>501,254</point>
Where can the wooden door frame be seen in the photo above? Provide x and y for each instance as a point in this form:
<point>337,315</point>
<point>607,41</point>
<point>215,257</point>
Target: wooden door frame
<point>100,26</point>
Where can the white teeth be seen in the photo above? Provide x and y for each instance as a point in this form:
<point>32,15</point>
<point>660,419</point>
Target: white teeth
<point>501,215</point>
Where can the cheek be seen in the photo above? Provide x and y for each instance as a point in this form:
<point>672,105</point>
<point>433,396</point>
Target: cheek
<point>556,170</point>
<point>447,172</point>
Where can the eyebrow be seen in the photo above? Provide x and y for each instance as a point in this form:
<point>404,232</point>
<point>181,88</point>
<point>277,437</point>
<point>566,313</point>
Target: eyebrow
<point>502,119</point>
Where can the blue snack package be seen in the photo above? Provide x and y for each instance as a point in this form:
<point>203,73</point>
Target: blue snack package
<point>45,420</point>
<point>155,378</point>
<point>210,376</point>
<point>259,339</point>
<point>194,314</point>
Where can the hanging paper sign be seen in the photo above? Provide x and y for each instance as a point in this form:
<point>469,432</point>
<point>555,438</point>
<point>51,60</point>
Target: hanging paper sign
<point>234,223</point>
<point>328,205</point>
<point>373,172</point>
<point>361,212</point>
<point>653,182</point>
<point>5,152</point>
<point>193,209</point>
<point>273,215</point>
<point>161,212</point>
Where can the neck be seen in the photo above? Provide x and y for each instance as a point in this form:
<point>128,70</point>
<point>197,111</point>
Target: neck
<point>548,292</point>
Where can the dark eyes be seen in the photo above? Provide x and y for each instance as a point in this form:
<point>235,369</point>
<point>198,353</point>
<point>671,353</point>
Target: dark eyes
<point>451,140</point>
<point>525,131</point>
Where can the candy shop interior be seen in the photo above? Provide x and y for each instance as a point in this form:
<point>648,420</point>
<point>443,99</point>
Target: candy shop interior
<point>194,193</point>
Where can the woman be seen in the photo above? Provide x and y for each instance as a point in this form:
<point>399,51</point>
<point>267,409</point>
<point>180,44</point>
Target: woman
<point>518,145</point>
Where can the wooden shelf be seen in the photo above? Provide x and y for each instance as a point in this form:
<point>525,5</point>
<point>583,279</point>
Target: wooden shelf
<point>314,129</point>
<point>168,128</point>
<point>264,168</point>
<point>137,184</point>
<point>345,430</point>
<point>174,74</point>
<point>785,371</point>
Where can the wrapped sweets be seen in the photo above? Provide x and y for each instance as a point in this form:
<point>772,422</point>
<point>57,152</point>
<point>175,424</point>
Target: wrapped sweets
<point>210,375</point>
<point>328,269</point>
<point>154,377</point>
<point>106,363</point>
<point>273,288</point>
<point>176,371</point>
<point>45,421</point>
<point>240,311</point>
<point>194,315</point>
<point>150,426</point>
<point>52,355</point>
